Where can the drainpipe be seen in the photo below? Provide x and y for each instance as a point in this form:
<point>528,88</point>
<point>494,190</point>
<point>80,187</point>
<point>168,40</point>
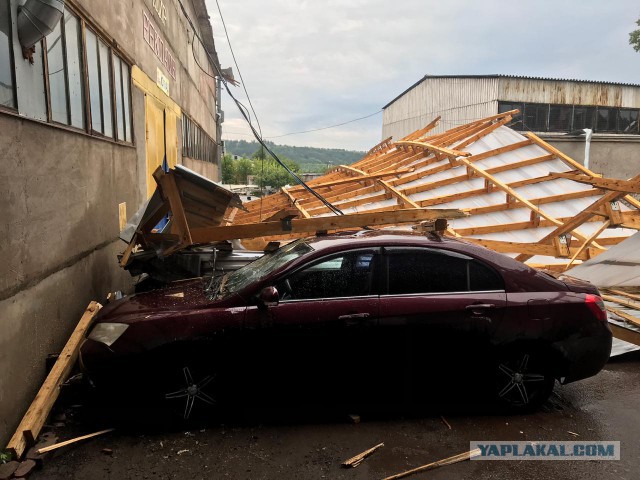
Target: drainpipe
<point>37,19</point>
<point>219,121</point>
<point>587,146</point>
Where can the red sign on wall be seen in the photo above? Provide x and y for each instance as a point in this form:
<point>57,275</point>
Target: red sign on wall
<point>158,45</point>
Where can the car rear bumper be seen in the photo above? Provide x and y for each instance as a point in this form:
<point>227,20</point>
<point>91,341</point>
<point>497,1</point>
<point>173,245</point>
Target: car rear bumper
<point>584,357</point>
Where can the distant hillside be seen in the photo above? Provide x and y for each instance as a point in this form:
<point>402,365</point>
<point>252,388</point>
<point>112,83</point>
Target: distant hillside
<point>310,159</point>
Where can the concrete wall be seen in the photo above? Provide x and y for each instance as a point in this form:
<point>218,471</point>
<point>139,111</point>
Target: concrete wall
<point>206,169</point>
<point>614,158</point>
<point>58,244</point>
<point>61,189</point>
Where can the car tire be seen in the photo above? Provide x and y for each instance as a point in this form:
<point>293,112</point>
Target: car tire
<point>522,380</point>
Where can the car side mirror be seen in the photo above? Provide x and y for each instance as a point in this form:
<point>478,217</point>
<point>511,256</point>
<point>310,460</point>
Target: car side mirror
<point>269,297</point>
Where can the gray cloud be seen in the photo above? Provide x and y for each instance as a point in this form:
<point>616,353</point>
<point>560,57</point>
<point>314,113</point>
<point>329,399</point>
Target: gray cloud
<point>309,64</point>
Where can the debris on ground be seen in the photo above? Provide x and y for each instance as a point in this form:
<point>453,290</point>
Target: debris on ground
<point>358,459</point>
<point>440,463</point>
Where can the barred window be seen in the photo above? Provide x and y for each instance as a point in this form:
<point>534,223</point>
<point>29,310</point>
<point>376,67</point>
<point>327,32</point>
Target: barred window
<point>196,143</point>
<point>543,117</point>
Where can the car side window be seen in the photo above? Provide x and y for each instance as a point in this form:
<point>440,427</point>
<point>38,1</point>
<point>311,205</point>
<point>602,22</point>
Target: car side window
<point>416,271</point>
<point>483,277</point>
<point>349,274</point>
<point>427,271</point>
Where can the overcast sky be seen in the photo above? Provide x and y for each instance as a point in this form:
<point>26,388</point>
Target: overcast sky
<point>310,64</point>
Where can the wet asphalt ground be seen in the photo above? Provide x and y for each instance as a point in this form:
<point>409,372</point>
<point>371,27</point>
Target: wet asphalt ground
<point>311,444</point>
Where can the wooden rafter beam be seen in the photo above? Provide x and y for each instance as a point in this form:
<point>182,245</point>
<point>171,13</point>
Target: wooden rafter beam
<point>575,165</point>
<point>588,242</point>
<point>530,248</point>
<point>613,184</point>
<point>579,219</point>
<point>402,198</point>
<point>311,225</point>
<point>435,149</point>
<point>350,180</point>
<point>507,189</point>
<point>295,203</point>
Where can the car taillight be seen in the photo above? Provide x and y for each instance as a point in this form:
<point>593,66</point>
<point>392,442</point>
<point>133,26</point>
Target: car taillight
<point>596,305</point>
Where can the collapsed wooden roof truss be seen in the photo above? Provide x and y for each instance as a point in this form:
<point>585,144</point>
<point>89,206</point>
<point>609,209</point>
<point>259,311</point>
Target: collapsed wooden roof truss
<point>523,196</point>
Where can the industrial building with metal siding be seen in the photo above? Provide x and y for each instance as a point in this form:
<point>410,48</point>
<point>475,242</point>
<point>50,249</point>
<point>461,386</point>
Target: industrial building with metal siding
<point>86,115</point>
<point>552,108</point>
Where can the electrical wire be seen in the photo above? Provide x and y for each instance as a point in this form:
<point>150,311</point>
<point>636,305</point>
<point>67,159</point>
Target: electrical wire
<point>233,55</point>
<point>245,113</point>
<point>326,128</point>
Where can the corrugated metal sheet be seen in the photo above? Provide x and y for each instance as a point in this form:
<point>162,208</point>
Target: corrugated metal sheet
<point>457,100</point>
<point>462,99</point>
<point>617,267</point>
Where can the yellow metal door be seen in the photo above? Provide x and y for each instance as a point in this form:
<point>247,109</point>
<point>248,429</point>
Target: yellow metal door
<point>154,114</point>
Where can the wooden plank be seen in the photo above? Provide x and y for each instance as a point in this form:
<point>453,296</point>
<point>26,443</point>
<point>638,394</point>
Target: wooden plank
<point>356,220</point>
<point>402,199</point>
<point>619,301</point>
<point>357,459</point>
<point>629,318</point>
<point>620,293</point>
<point>440,463</point>
<point>506,188</point>
<point>531,248</point>
<point>626,186</point>
<point>36,415</point>
<point>351,180</point>
<point>171,193</point>
<point>56,446</point>
<point>626,334</point>
<point>579,219</point>
<point>295,203</point>
<point>575,165</point>
<point>588,242</point>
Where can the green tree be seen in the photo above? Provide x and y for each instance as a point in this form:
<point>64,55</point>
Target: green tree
<point>634,38</point>
<point>270,173</point>
<point>243,167</point>
<point>228,169</point>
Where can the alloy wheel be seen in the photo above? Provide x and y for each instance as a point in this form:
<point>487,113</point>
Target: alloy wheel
<point>191,393</point>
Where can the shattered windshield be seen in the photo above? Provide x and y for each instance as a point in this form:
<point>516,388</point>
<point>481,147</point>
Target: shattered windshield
<point>258,269</point>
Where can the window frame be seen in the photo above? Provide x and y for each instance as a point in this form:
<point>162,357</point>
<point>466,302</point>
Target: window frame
<point>14,87</point>
<point>84,80</point>
<point>518,122</point>
<point>377,257</point>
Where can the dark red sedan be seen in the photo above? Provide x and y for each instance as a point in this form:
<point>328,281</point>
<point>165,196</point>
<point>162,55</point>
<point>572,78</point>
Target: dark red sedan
<point>354,317</point>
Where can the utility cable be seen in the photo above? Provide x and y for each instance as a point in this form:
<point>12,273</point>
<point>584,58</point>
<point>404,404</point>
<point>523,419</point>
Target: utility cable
<point>245,113</point>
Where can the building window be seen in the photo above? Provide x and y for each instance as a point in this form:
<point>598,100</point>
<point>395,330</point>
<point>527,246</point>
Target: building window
<point>560,118</point>
<point>123,99</point>
<point>627,120</point>
<point>544,117</point>
<point>516,123</point>
<point>99,68</point>
<point>66,90</point>
<point>536,116</point>
<point>196,143</point>
<point>7,94</point>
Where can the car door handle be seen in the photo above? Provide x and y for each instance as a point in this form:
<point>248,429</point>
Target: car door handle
<point>480,306</point>
<point>352,316</point>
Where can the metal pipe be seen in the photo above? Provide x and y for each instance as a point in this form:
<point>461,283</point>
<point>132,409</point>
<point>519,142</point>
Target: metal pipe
<point>37,19</point>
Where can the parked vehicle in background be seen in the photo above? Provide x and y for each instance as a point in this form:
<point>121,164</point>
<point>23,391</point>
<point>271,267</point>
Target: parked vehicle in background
<point>350,318</point>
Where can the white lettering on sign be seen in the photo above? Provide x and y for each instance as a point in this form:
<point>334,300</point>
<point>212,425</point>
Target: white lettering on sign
<point>158,45</point>
<point>162,81</point>
<point>161,10</point>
